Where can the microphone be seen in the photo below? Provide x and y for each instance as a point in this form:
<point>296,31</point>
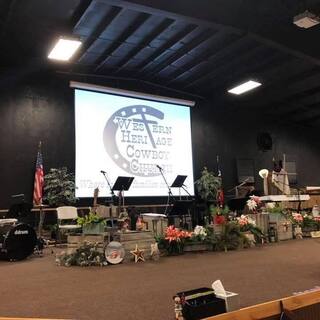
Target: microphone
<point>103,172</point>
<point>159,167</point>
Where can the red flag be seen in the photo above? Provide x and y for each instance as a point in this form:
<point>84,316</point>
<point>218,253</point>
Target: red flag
<point>38,179</point>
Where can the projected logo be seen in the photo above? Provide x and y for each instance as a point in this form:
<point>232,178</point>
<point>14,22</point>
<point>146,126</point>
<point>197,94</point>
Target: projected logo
<point>137,139</point>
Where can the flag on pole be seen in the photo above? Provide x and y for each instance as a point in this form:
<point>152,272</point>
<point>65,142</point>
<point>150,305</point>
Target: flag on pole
<point>220,194</point>
<point>38,179</point>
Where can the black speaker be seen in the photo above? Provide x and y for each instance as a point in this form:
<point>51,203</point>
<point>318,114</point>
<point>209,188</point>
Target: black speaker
<point>264,141</point>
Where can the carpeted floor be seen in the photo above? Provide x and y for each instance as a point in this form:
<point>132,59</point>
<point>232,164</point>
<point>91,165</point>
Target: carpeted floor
<point>37,288</point>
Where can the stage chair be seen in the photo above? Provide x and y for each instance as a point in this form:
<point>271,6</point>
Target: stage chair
<point>67,213</point>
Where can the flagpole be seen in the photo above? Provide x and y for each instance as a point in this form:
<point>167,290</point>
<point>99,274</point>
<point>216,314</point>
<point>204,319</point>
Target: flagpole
<point>40,205</point>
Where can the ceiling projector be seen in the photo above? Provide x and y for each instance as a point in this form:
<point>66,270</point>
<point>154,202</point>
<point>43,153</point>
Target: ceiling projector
<point>306,20</point>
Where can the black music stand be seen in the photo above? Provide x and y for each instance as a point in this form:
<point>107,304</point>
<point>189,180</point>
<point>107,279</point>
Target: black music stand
<point>122,184</point>
<point>179,183</point>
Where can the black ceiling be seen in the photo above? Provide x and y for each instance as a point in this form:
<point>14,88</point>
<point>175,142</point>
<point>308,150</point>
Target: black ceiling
<point>199,47</point>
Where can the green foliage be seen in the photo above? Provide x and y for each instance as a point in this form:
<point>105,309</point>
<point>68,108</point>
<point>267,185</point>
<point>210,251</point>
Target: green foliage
<point>216,210</point>
<point>208,185</point>
<point>277,209</point>
<point>59,187</point>
<point>308,222</point>
<point>90,218</point>
<point>231,237</point>
<point>86,255</point>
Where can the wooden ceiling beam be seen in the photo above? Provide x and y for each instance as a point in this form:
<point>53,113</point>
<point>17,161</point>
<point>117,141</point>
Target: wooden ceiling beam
<point>196,42</point>
<point>106,20</point>
<point>166,46</point>
<point>171,15</point>
<point>210,58</point>
<point>222,68</point>
<point>165,24</point>
<point>127,32</point>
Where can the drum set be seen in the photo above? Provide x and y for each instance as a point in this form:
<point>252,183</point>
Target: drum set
<point>17,240</point>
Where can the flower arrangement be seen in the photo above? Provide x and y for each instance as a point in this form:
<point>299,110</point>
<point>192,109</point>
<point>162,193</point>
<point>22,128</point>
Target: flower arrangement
<point>174,239</point>
<point>297,218</point>
<point>305,221</point>
<point>200,233</point>
<point>175,234</point>
<point>244,221</point>
<point>249,225</point>
<point>219,214</point>
<point>254,203</point>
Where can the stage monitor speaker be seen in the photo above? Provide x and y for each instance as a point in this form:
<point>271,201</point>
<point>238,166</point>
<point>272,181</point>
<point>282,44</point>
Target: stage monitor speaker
<point>245,170</point>
<point>264,141</point>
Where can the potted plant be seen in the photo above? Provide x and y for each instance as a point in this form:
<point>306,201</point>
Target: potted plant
<point>59,187</point>
<point>219,217</point>
<point>208,185</point>
<point>173,240</point>
<point>231,237</point>
<point>92,223</point>
<point>249,228</point>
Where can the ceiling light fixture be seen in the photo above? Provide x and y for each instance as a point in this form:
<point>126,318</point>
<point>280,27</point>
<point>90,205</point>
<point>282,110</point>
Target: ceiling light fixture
<point>306,20</point>
<point>64,49</point>
<point>244,87</point>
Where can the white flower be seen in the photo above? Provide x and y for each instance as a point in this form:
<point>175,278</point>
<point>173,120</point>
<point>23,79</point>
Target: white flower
<point>252,205</point>
<point>270,205</point>
<point>200,231</point>
<point>251,221</point>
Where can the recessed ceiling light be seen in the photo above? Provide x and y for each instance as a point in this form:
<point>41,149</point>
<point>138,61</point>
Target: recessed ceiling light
<point>64,49</point>
<point>244,87</point>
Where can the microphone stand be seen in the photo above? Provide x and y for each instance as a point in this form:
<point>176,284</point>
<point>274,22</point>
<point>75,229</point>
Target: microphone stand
<point>170,195</point>
<point>298,190</point>
<point>111,191</point>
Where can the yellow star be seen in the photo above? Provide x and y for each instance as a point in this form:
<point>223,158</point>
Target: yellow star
<point>138,254</point>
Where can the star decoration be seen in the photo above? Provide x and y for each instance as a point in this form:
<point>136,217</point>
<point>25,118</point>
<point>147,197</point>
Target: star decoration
<point>138,254</point>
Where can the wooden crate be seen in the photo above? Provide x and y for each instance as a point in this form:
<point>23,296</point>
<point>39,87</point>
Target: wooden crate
<point>262,221</point>
<point>190,247</point>
<point>130,239</point>
<point>283,226</point>
<point>75,241</point>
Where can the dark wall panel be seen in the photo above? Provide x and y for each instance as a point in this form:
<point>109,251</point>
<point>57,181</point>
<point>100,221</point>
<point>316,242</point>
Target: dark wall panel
<point>42,109</point>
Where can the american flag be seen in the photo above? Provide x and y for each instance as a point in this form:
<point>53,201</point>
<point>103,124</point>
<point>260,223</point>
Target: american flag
<point>38,179</point>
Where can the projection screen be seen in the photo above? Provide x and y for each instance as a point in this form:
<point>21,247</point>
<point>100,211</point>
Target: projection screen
<point>131,134</point>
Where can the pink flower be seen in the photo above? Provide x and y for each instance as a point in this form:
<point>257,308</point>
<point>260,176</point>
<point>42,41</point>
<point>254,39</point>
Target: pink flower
<point>297,217</point>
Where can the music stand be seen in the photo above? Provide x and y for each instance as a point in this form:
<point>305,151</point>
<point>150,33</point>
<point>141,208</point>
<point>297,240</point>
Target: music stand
<point>179,183</point>
<point>122,184</point>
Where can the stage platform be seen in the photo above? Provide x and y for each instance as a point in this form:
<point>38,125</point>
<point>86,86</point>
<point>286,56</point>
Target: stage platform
<point>36,287</point>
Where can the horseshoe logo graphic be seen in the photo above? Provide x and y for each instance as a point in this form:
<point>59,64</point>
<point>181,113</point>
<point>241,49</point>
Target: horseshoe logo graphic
<point>122,118</point>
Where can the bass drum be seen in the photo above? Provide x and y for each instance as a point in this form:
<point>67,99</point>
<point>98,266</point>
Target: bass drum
<point>18,242</point>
